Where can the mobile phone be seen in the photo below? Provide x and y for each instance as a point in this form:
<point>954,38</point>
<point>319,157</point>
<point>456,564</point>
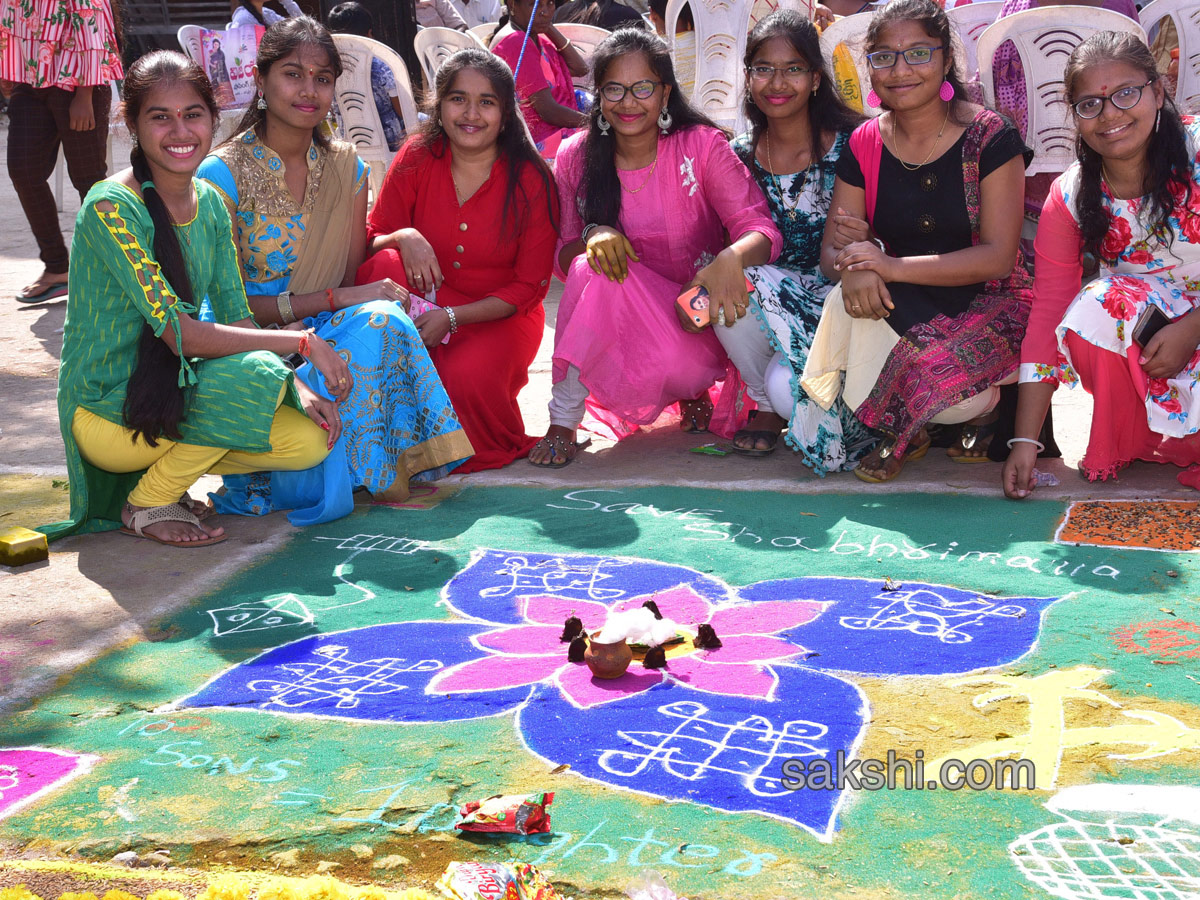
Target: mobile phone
<point>1148,324</point>
<point>695,303</point>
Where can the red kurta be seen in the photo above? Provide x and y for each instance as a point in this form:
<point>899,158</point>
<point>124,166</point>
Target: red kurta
<point>483,366</point>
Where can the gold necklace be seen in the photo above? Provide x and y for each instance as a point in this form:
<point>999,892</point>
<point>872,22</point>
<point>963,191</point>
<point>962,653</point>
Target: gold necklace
<point>929,155</point>
<point>649,175</point>
<point>1108,180</point>
<point>790,210</point>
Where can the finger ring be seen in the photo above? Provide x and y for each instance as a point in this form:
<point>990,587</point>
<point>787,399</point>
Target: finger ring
<point>341,381</point>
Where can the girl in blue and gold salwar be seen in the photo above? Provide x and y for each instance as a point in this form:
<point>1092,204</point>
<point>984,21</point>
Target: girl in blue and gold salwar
<point>298,205</point>
<point>150,398</point>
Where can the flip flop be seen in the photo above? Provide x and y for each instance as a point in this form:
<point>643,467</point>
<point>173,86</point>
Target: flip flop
<point>747,434</point>
<point>885,451</point>
<point>53,292</point>
<point>172,512</point>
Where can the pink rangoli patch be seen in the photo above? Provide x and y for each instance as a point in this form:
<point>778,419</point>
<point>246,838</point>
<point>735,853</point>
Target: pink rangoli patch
<point>531,651</point>
<point>27,773</point>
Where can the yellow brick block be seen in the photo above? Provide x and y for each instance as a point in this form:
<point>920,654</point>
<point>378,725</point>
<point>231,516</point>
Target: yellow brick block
<point>20,546</point>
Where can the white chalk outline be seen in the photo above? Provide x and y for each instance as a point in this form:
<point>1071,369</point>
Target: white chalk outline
<point>84,763</point>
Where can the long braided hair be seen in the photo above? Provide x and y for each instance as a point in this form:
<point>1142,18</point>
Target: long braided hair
<point>1168,171</point>
<point>154,401</point>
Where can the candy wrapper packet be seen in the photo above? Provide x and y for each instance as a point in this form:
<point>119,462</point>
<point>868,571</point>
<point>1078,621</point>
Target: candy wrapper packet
<point>478,881</point>
<point>495,881</point>
<point>513,814</point>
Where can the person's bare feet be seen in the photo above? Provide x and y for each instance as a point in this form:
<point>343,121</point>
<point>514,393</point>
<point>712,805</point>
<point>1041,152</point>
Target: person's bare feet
<point>44,282</point>
<point>695,415</point>
<point>171,532</point>
<point>556,449</point>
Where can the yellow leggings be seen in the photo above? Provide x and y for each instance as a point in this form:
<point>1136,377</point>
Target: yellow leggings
<point>172,468</point>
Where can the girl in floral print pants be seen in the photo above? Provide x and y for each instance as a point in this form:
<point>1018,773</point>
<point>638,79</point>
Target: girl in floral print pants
<point>1130,209</point>
<point>59,57</point>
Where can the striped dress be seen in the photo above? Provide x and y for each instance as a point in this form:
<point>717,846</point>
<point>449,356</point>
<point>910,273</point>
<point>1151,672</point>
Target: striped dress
<point>117,289</point>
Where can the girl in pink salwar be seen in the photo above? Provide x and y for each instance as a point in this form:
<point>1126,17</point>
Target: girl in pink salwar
<point>1131,204</point>
<point>650,190</point>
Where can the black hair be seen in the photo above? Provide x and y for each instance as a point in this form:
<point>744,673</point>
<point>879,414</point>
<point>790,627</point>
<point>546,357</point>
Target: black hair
<point>350,18</point>
<point>1167,174</point>
<point>685,21</point>
<point>516,146</point>
<point>600,189</point>
<point>826,111</point>
<point>280,41</point>
<point>935,23</point>
<point>154,401</point>
<point>247,5</point>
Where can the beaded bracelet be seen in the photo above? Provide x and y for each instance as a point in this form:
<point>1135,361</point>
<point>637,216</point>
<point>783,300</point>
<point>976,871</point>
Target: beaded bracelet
<point>1020,440</point>
<point>453,319</point>
<point>329,299</point>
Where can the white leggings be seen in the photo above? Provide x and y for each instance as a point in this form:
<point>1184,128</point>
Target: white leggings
<point>768,378</point>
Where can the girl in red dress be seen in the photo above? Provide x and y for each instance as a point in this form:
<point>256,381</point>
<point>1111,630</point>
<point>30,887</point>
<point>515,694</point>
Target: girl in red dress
<point>469,210</point>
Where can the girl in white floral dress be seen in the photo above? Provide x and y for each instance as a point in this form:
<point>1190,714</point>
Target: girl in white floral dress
<point>1132,204</point>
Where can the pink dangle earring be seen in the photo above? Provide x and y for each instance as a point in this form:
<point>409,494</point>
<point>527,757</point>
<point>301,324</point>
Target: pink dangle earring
<point>946,92</point>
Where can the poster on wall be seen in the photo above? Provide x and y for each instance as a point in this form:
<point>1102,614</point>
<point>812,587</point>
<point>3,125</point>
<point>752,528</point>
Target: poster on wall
<point>228,58</point>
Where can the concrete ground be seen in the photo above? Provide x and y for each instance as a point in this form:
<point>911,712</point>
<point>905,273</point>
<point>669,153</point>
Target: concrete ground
<point>99,591</point>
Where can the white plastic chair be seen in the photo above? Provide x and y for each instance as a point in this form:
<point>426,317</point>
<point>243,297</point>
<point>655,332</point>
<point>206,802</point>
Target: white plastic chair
<point>585,38</point>
<point>970,21</point>
<point>851,33</point>
<point>435,45</point>
<point>1185,14</point>
<point>483,33</point>
<point>1044,38</point>
<point>360,120</point>
<point>721,29</point>
<point>189,42</point>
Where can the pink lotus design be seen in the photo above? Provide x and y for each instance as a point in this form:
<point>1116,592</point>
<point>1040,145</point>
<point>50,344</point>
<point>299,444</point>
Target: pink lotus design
<point>531,651</point>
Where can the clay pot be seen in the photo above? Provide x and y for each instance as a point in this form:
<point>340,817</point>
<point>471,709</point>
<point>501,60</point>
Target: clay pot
<point>608,660</point>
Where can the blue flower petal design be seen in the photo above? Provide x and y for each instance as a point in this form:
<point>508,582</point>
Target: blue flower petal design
<point>360,674</point>
<point>917,629</point>
<point>492,584</point>
<point>678,743</point>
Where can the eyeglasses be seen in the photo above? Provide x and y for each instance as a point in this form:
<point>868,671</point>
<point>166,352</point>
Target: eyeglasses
<point>1125,98</point>
<point>914,56</point>
<point>766,73</point>
<point>614,91</point>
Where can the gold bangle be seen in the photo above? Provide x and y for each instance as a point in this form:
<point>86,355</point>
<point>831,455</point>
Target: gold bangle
<point>563,48</point>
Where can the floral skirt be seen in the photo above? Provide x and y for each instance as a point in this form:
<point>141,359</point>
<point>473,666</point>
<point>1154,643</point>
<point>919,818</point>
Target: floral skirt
<point>943,362</point>
<point>397,423</point>
<point>1134,416</point>
<point>788,308</point>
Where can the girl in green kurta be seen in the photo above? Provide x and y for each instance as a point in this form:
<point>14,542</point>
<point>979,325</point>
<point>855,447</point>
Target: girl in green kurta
<point>149,398</point>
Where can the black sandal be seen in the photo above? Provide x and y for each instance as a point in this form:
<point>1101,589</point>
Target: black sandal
<point>753,437</point>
